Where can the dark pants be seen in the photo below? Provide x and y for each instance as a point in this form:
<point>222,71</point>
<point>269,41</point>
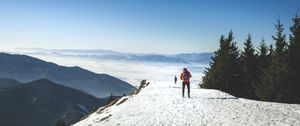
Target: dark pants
<point>183,88</point>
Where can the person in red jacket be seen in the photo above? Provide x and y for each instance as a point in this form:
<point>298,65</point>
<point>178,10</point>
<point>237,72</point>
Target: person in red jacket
<point>185,77</point>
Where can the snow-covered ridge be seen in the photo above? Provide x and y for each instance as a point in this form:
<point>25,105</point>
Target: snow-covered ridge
<point>119,101</point>
<point>161,103</point>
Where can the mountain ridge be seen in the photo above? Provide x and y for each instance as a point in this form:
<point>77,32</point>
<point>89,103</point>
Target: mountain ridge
<point>6,82</point>
<point>25,69</point>
<point>204,57</point>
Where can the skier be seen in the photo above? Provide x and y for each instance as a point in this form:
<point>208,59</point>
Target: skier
<point>175,79</point>
<point>185,77</point>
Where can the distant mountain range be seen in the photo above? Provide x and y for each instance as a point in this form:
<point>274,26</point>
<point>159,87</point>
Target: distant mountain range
<point>43,103</point>
<point>203,58</point>
<point>195,57</point>
<point>25,69</point>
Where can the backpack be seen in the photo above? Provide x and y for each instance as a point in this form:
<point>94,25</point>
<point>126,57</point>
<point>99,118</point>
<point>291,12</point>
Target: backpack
<point>186,76</point>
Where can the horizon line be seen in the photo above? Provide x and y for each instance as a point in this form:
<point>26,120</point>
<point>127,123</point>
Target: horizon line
<point>95,49</point>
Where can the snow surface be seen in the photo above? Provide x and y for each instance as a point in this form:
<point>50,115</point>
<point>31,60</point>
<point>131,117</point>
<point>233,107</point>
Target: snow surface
<point>161,103</point>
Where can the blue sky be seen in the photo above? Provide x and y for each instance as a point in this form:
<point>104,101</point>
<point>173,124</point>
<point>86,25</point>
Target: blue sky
<point>161,26</point>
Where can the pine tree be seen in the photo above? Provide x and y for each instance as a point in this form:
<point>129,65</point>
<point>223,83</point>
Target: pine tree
<point>272,86</point>
<point>270,54</point>
<point>224,72</point>
<point>263,61</point>
<point>233,72</point>
<point>211,78</point>
<point>249,68</point>
<point>293,59</point>
<point>262,58</point>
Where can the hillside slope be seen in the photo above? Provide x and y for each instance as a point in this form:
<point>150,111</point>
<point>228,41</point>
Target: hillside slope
<point>161,104</point>
<point>43,103</point>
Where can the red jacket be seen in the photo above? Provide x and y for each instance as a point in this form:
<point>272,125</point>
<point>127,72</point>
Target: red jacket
<point>189,75</point>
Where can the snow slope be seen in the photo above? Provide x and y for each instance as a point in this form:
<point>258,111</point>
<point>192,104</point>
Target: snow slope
<point>161,103</point>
